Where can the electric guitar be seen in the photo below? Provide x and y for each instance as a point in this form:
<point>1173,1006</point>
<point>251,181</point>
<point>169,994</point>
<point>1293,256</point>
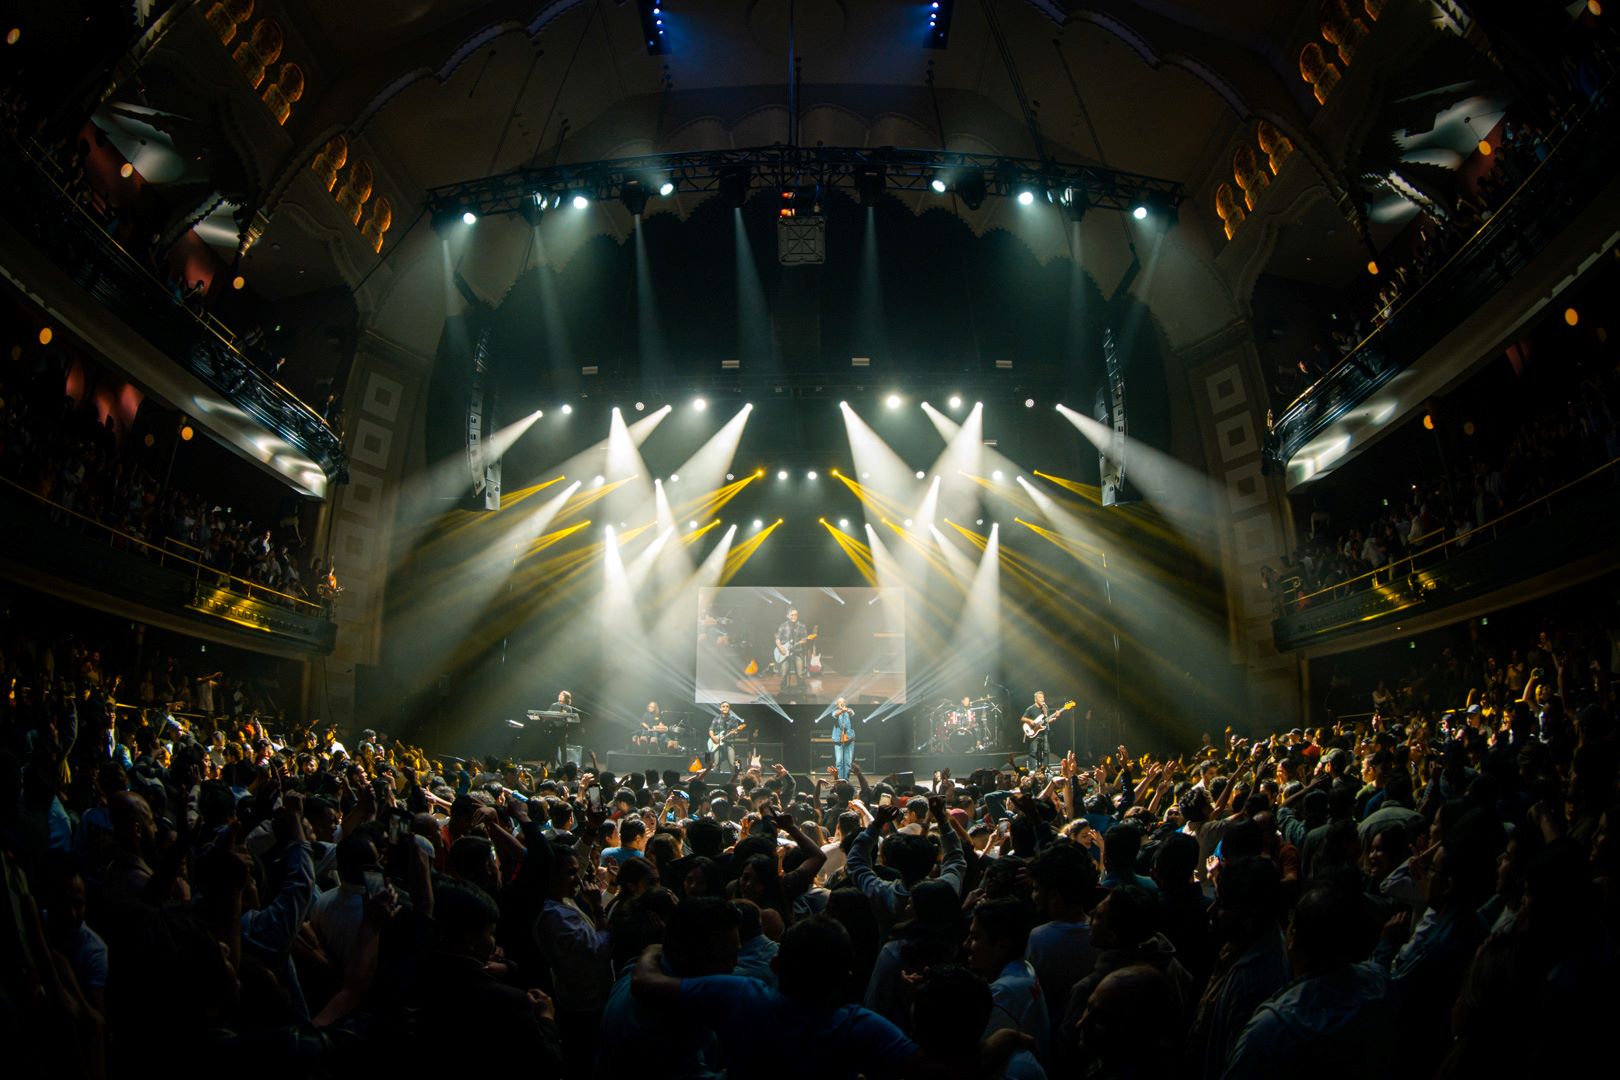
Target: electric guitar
<point>813,665</point>
<point>1038,725</point>
<point>782,654</point>
<point>716,741</point>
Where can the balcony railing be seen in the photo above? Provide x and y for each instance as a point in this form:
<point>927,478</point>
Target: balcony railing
<point>41,207</point>
<point>1580,164</point>
<point>165,574</point>
<point>1577,521</point>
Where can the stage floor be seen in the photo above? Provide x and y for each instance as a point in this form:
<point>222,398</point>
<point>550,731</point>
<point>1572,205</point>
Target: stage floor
<point>923,766</point>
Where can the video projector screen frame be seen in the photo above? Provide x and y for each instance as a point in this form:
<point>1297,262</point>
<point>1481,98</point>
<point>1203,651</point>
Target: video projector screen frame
<point>860,643</point>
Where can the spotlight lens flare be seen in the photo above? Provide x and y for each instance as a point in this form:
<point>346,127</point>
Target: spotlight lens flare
<point>581,202</point>
<point>920,474</point>
<point>997,475</point>
<point>1140,213</point>
<point>843,523</point>
<point>699,404</point>
<point>666,189</point>
<point>567,410</point>
<point>956,401</point>
<point>811,475</point>
<point>1025,198</point>
<point>674,477</point>
<point>641,406</point>
<point>937,185</point>
<point>468,217</point>
<point>781,474</point>
<point>599,481</point>
<point>892,401</point>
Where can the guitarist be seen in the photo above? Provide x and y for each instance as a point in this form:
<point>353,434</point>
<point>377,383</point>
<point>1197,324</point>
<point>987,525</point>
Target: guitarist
<point>790,638</point>
<point>721,728</point>
<point>1037,723</point>
<point>843,738</point>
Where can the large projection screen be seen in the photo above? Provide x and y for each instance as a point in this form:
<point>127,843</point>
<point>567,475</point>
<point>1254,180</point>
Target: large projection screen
<point>853,645</point>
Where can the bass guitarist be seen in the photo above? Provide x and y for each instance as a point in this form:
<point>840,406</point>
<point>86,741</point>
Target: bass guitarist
<point>721,729</point>
<point>1037,727</point>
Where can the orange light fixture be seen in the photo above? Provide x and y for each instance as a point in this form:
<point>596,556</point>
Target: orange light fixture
<point>1571,316</point>
<point>45,335</point>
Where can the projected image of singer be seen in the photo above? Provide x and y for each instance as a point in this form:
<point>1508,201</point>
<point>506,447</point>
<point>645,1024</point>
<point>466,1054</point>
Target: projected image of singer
<point>791,637</point>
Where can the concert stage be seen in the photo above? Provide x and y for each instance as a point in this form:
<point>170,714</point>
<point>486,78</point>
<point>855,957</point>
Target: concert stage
<point>924,766</point>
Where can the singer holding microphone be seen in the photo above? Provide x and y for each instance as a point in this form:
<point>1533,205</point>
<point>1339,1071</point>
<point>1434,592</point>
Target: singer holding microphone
<point>843,738</point>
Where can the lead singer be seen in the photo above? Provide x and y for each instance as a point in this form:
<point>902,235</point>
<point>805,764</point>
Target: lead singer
<point>843,738</point>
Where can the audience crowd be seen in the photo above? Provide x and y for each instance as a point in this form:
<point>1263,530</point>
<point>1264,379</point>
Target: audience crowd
<point>1549,446</point>
<point>1428,891</point>
<point>57,449</point>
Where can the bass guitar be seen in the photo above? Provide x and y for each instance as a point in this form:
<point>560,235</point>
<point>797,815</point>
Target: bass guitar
<point>717,741</point>
<point>1037,725</point>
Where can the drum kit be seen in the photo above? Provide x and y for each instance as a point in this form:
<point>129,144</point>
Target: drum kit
<point>958,728</point>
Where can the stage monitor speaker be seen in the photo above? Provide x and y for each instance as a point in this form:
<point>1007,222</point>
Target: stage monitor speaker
<point>904,781</point>
<point>574,755</point>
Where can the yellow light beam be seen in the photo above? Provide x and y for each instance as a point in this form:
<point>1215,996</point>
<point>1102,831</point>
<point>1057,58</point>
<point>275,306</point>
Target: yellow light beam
<point>741,553</point>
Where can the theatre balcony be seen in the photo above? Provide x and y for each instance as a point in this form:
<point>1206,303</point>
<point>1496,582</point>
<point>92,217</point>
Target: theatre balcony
<point>1567,536</point>
<point>58,250</point>
<point>1431,332</point>
<point>56,550</point>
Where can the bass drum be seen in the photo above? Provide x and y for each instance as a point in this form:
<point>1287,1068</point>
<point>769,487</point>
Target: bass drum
<point>961,741</point>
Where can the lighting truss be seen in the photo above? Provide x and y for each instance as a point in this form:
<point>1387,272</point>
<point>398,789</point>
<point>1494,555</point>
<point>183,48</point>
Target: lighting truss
<point>700,171</point>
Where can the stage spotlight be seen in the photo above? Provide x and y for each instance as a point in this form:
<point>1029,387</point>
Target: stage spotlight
<point>908,523</point>
<point>866,476</point>
<point>1026,198</point>
<point>843,523</point>
<point>759,472</point>
<point>731,476</point>
<point>938,185</point>
<point>869,184</point>
<point>781,474</point>
<point>674,477</point>
<point>699,404</point>
<point>581,202</point>
<point>920,474</point>
<point>956,401</point>
<point>634,197</point>
<point>126,170</point>
<point>733,185</point>
<point>533,209</point>
<point>666,189</point>
<point>1029,403</point>
<point>892,401</point>
<point>567,410</point>
<point>691,524</point>
<point>1139,213</point>
<point>599,481</point>
<point>758,524</point>
<point>997,475</point>
<point>641,406</point>
<point>971,189</point>
<point>811,475</point>
<point>468,217</point>
<point>978,521</point>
